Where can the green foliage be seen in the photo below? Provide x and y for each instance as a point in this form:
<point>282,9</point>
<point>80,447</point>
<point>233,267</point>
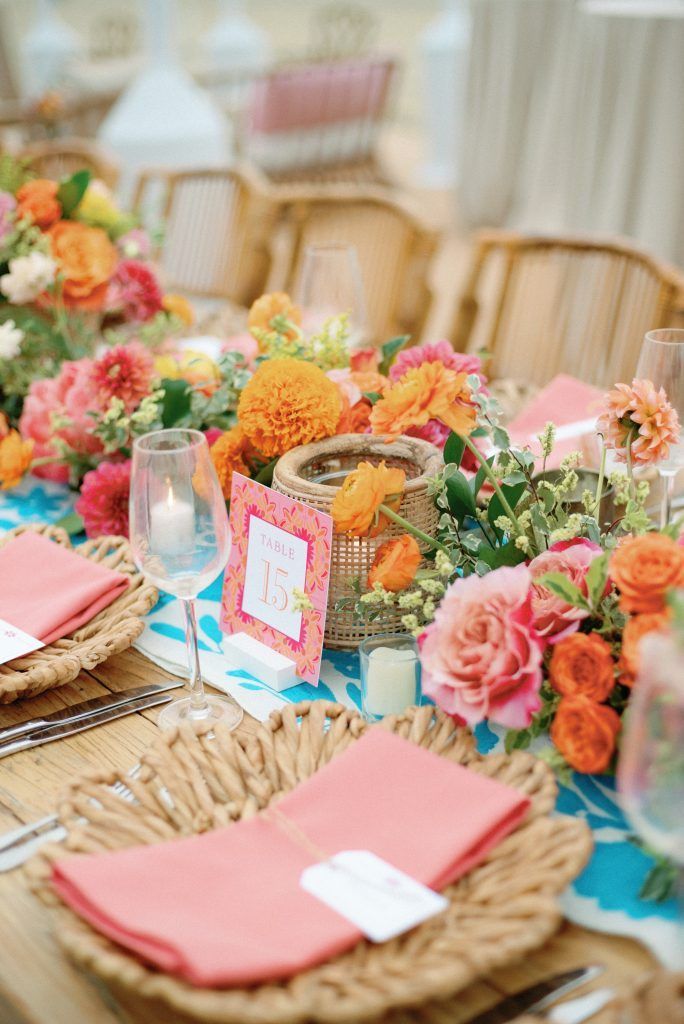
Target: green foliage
<point>13,173</point>
<point>660,884</point>
<point>454,449</point>
<point>71,192</point>
<point>175,403</point>
<point>390,350</point>
<point>564,588</point>
<point>459,496</point>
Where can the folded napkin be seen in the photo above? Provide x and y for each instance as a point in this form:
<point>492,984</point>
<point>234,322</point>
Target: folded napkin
<point>49,591</point>
<point>569,403</point>
<point>226,908</point>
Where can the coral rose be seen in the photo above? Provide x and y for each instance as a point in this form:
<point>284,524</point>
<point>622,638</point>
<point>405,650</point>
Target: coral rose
<point>395,564</point>
<point>429,392</point>
<point>582,664</point>
<point>266,308</point>
<point>554,618</point>
<point>37,200</point>
<point>231,453</point>
<point>644,569</point>
<point>356,506</point>
<point>482,657</point>
<point>15,458</point>
<point>87,260</point>
<point>288,402</point>
<point>636,629</point>
<point>585,733</point>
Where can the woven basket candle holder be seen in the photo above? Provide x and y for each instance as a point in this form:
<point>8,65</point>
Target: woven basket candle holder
<point>299,473</point>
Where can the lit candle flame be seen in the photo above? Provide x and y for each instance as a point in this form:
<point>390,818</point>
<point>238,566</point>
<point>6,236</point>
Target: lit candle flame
<point>169,497</point>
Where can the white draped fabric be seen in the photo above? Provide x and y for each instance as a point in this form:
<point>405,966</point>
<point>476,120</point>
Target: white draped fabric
<point>575,117</point>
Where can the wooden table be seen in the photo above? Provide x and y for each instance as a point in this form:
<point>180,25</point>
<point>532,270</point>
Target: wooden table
<point>38,985</point>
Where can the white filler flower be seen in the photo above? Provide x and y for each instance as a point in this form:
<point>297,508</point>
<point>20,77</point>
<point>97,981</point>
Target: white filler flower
<point>28,277</point>
<point>11,338</point>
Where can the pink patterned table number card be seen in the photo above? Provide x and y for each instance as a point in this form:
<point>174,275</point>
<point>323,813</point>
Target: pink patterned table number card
<point>280,550</point>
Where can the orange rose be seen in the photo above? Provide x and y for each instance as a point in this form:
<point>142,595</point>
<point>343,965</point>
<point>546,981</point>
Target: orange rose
<point>585,733</point>
<point>365,360</point>
<point>37,200</point>
<point>178,306</point>
<point>15,458</point>
<point>582,665</point>
<point>369,382</point>
<point>636,629</point>
<point>355,509</point>
<point>86,259</point>
<point>644,569</point>
<point>395,564</point>
<point>269,306</point>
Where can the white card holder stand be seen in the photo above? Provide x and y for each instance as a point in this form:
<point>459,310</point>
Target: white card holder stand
<point>269,666</point>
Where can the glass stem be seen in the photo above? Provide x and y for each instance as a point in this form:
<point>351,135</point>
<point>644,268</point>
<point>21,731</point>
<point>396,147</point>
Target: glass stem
<point>198,700</point>
<point>668,482</point>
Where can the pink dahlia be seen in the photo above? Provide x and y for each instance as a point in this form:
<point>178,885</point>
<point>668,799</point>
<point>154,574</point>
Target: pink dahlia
<point>8,205</point>
<point>134,291</point>
<point>639,415</point>
<point>436,352</point>
<point>554,618</point>
<point>482,656</point>
<point>103,502</point>
<point>125,372</point>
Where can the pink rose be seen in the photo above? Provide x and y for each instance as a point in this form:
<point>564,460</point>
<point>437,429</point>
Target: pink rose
<point>554,618</point>
<point>482,656</point>
<point>436,352</point>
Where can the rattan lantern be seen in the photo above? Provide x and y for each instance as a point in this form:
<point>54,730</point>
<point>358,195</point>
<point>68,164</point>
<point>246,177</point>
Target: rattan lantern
<point>312,473</point>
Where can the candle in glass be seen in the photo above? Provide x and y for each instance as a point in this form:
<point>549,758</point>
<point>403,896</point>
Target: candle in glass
<point>172,525</point>
<point>390,674</point>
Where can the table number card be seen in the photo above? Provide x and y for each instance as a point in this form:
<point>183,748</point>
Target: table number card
<point>279,545</point>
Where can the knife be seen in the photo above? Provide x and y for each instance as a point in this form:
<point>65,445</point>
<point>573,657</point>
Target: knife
<point>537,997</point>
<point>57,732</point>
<point>85,708</point>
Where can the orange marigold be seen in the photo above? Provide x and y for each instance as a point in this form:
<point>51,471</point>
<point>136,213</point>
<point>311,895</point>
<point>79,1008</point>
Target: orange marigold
<point>269,306</point>
<point>231,453</point>
<point>355,509</point>
<point>15,458</point>
<point>426,392</point>
<point>286,403</point>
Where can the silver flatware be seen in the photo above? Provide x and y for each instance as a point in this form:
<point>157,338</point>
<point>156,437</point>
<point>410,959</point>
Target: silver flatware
<point>86,708</point>
<point>57,732</point>
<point>537,997</point>
<point>576,1011</point>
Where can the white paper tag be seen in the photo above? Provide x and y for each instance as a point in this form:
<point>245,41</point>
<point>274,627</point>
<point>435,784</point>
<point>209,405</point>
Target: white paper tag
<point>375,896</point>
<point>14,643</point>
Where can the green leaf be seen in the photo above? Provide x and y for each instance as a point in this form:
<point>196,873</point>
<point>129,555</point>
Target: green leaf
<point>507,554</point>
<point>460,497</point>
<point>265,474</point>
<point>517,739</point>
<point>176,401</point>
<point>597,577</point>
<point>564,588</point>
<point>390,350</point>
<point>454,448</point>
<point>480,477</point>
<point>660,882</point>
<point>501,438</point>
<point>516,477</point>
<point>512,496</point>
<point>72,523</point>
<point>71,192</point>
<point>372,396</point>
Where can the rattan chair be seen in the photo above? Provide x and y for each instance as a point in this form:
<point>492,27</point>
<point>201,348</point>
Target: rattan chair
<point>217,226</point>
<point>395,250</point>
<point>56,158</point>
<point>545,305</point>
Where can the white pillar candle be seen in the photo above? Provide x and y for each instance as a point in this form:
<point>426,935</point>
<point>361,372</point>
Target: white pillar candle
<point>172,527</point>
<point>390,681</point>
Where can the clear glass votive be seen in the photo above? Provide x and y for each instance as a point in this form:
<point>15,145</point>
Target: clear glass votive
<point>390,674</point>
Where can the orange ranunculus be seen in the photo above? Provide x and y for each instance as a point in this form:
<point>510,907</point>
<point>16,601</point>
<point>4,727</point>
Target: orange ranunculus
<point>582,664</point>
<point>86,259</point>
<point>644,568</point>
<point>231,453</point>
<point>636,629</point>
<point>365,489</point>
<point>15,458</point>
<point>426,392</point>
<point>585,733</point>
<point>395,564</point>
<point>369,382</point>
<point>37,200</point>
<point>178,306</point>
<point>269,306</point>
<point>365,360</point>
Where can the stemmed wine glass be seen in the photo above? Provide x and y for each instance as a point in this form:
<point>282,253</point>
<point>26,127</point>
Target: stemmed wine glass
<point>651,766</point>
<point>180,540</point>
<point>330,283</point>
<point>662,362</point>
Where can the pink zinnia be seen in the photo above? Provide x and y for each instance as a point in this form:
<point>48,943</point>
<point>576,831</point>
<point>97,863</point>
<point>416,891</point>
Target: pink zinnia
<point>638,415</point>
<point>125,372</point>
<point>134,291</point>
<point>436,352</point>
<point>103,502</point>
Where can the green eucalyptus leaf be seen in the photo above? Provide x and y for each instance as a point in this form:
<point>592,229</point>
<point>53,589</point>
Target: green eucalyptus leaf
<point>453,449</point>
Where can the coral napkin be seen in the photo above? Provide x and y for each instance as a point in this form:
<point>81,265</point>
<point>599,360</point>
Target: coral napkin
<point>569,403</point>
<point>49,591</point>
<point>226,908</point>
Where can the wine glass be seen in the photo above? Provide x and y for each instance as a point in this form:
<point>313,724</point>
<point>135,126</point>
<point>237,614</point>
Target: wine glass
<point>180,540</point>
<point>651,766</point>
<point>662,362</point>
<point>330,283</point>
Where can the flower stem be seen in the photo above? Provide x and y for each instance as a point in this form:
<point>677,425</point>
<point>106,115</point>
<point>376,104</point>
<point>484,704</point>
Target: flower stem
<point>410,528</point>
<point>486,468</point>
<point>601,479</point>
<point>630,467</point>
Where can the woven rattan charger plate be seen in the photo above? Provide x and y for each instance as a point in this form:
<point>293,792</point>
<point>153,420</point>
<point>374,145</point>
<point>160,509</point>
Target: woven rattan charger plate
<point>498,912</point>
<point>109,632</point>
